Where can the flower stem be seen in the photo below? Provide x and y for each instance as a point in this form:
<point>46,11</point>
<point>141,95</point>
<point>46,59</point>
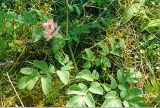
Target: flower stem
<point>67,30</point>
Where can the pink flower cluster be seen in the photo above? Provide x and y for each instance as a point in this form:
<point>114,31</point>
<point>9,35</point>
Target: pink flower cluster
<point>50,29</point>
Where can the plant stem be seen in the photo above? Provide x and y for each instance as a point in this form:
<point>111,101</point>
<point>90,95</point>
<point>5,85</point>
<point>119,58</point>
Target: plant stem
<point>15,89</point>
<point>10,78</point>
<point>67,30</point>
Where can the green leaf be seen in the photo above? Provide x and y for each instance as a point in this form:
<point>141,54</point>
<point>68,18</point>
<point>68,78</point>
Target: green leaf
<point>41,65</point>
<point>71,8</point>
<point>105,49</point>
<point>77,10</point>
<point>125,103</point>
<point>37,33</point>
<point>132,93</point>
<point>10,15</point>
<point>123,86</point>
<point>121,76</point>
<point>123,94</point>
<point>58,43</point>
<point>106,62</point>
<point>46,84</point>
<point>29,18</point>
<point>120,43</point>
<point>29,71</point>
<point>64,76</point>
<point>89,55</point>
<point>117,52</point>
<point>32,82</point>
<point>4,5</point>
<point>87,65</point>
<point>152,23</point>
<point>110,95</point>
<point>23,82</point>
<point>88,98</point>
<point>106,87</point>
<point>131,76</point>
<point>27,81</point>
<point>98,62</point>
<point>112,42</point>
<point>96,88</point>
<point>3,46</point>
<point>76,101</point>
<point>65,60</point>
<point>132,11</point>
<point>113,84</point>
<point>72,102</point>
<point>52,69</point>
<point>95,75</point>
<point>85,74</point>
<point>67,67</point>
<point>112,103</point>
<point>138,102</point>
<point>76,89</point>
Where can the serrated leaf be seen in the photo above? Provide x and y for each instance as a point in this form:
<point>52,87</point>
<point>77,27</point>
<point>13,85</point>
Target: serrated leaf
<point>23,82</point>
<point>113,84</point>
<point>123,94</point>
<point>76,101</point>
<point>105,49</point>
<point>58,43</point>
<point>27,81</point>
<point>76,89</point>
<point>112,103</point>
<point>112,42</point>
<point>123,86</point>
<point>137,102</point>
<point>29,18</point>
<point>117,52</point>
<point>85,74</point>
<point>98,62</point>
<point>88,98</point>
<point>106,62</point>
<point>121,76</point>
<point>52,69</point>
<point>72,102</point>
<point>64,76</point>
<point>125,103</point>
<point>106,87</point>
<point>67,67</point>
<point>87,65</point>
<point>41,65</point>
<point>131,76</point>
<point>29,71</point>
<point>120,43</point>
<point>132,93</point>
<point>89,55</point>
<point>96,88</point>
<point>95,75</point>
<point>46,84</point>
<point>37,33</point>
<point>31,83</point>
<point>110,95</point>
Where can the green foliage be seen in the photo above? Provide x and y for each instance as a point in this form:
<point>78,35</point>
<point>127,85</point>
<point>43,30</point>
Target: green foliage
<point>132,11</point>
<point>119,93</point>
<point>44,73</point>
<point>103,37</point>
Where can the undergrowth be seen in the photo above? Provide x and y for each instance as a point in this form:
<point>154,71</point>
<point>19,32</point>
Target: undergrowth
<point>80,53</point>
